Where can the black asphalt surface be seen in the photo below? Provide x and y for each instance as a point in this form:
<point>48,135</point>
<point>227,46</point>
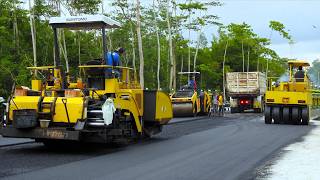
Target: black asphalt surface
<point>230,147</point>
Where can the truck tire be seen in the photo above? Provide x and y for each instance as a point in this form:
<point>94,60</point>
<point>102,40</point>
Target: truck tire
<point>257,110</point>
<point>234,110</point>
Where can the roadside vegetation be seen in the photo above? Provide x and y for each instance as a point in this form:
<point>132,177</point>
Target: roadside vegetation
<point>151,35</point>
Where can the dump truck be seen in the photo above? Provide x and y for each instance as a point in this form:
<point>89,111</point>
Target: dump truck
<point>246,91</point>
<point>105,105</point>
<point>189,100</point>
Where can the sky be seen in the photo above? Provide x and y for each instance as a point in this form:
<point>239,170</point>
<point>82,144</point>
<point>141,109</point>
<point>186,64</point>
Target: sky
<point>301,18</point>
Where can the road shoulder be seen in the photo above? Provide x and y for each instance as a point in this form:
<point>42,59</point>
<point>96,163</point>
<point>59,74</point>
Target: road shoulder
<point>298,160</point>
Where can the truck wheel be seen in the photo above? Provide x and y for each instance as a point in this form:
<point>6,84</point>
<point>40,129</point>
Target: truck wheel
<point>257,110</point>
<point>234,110</point>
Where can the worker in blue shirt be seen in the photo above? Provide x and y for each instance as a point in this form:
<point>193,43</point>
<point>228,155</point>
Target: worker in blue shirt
<point>113,59</point>
<point>191,83</point>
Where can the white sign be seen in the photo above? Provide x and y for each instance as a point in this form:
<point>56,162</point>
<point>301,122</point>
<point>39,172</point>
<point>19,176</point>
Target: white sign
<point>84,19</point>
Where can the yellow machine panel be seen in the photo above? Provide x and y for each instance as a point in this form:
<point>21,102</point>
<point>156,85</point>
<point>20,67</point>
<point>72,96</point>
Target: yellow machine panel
<point>111,85</point>
<point>163,108</point>
<point>74,108</point>
<point>23,102</point>
<point>293,98</point>
<point>36,85</point>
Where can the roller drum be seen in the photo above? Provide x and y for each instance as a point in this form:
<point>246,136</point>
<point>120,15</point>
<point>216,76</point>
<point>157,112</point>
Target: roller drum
<point>182,109</point>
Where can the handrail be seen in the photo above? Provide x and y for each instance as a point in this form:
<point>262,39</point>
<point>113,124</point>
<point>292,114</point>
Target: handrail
<point>104,66</point>
<point>82,66</point>
<point>41,67</point>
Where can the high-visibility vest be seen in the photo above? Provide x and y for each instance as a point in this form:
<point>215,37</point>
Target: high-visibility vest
<point>220,100</point>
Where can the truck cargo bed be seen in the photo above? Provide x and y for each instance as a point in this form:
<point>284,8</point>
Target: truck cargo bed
<point>245,83</point>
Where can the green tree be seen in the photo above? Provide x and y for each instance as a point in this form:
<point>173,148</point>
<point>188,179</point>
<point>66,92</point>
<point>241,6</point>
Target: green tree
<point>196,21</point>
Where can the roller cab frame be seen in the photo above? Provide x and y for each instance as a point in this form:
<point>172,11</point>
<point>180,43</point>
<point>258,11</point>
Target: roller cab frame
<point>291,102</point>
<point>57,109</point>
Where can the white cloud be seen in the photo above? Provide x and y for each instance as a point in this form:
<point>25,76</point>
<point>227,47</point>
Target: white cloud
<point>304,50</point>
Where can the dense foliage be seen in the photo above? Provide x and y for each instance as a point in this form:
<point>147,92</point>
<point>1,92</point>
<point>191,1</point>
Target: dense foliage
<point>243,44</point>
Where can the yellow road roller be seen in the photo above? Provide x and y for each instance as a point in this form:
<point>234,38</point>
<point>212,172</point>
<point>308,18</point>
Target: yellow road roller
<point>291,101</point>
<point>190,100</point>
<point>105,105</point>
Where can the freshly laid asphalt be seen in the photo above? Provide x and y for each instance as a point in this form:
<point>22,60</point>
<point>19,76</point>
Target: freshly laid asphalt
<point>230,147</point>
<point>13,141</point>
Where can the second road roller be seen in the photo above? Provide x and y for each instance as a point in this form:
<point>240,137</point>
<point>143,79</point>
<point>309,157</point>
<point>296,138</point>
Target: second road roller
<point>189,100</point>
<point>293,101</point>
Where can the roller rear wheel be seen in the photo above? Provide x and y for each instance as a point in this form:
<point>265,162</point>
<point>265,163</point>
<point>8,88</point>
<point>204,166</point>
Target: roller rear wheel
<point>296,119</point>
<point>277,115</point>
<point>268,115</point>
<point>305,116</point>
<point>286,115</point>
